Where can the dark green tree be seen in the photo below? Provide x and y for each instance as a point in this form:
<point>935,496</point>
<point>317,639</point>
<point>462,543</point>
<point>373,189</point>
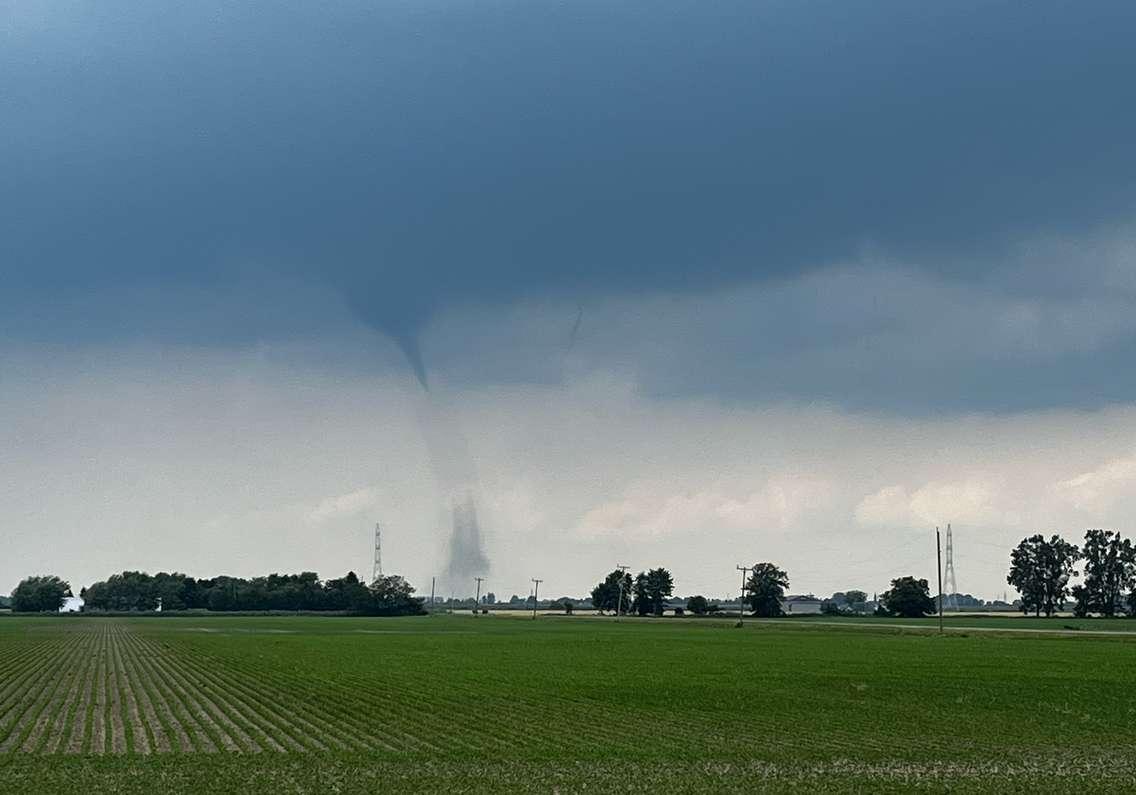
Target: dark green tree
<point>697,605</point>
<point>1025,572</point>
<point>765,589</point>
<point>393,596</point>
<point>660,587</point>
<point>1110,570</point>
<point>605,596</point>
<point>1040,570</point>
<point>41,594</point>
<point>347,593</point>
<point>854,597</point>
<point>641,601</point>
<point>130,590</point>
<point>908,598</point>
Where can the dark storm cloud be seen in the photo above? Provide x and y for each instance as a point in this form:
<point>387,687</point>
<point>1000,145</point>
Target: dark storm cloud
<point>414,156</point>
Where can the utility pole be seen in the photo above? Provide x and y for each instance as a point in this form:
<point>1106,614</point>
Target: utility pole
<point>477,599</point>
<point>939,570</point>
<point>432,592</point>
<point>619,605</point>
<point>536,594</point>
<point>741,598</point>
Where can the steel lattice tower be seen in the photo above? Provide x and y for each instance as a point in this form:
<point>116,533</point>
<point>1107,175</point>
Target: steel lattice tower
<point>377,570</point>
<point>949,584</point>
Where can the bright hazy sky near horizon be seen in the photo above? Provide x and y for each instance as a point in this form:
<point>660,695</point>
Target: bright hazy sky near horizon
<point>698,285</point>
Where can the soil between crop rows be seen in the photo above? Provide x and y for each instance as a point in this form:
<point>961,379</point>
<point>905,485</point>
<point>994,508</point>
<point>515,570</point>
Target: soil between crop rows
<point>100,688</point>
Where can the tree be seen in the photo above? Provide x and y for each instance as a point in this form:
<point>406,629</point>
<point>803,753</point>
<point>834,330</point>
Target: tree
<point>1110,570</point>
<point>133,590</point>
<point>348,594</point>
<point>41,594</point>
<point>641,603</point>
<point>853,597</point>
<point>1025,572</point>
<point>660,586</point>
<point>605,596</point>
<point>765,589</point>
<point>130,590</point>
<point>393,596</point>
<point>908,597</point>
<point>651,590</point>
<point>1040,571</point>
<point>697,605</point>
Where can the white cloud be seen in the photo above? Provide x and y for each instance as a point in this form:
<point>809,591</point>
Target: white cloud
<point>1099,490</point>
<point>653,510</point>
<point>888,507</point>
<point>971,502</point>
<point>351,504</point>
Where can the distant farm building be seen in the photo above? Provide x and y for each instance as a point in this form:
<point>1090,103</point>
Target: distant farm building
<point>801,605</point>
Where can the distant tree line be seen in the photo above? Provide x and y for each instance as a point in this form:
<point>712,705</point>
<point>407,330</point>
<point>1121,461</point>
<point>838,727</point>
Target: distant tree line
<point>41,594</point>
<point>138,591</point>
<point>1040,569</point>
<point>764,595</point>
<point>644,595</point>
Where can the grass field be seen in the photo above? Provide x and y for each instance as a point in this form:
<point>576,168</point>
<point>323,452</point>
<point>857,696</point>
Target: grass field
<point>989,621</point>
<point>301,704</point>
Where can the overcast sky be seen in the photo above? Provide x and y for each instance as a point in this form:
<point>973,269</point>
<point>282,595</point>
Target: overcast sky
<point>695,284</point>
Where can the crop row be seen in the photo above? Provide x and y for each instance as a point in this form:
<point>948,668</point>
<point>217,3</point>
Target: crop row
<point>100,688</point>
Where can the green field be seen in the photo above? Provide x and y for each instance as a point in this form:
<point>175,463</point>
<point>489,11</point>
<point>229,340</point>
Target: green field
<point>308,704</point>
<point>993,621</point>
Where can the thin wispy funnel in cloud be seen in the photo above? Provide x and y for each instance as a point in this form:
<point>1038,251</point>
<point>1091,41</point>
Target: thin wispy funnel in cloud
<point>575,328</point>
<point>454,469</point>
<point>408,344</point>
<point>400,315</point>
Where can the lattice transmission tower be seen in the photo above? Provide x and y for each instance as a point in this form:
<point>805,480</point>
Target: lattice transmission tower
<point>377,569</point>
<point>949,584</point>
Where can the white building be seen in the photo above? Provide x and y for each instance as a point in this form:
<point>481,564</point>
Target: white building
<point>801,605</point>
